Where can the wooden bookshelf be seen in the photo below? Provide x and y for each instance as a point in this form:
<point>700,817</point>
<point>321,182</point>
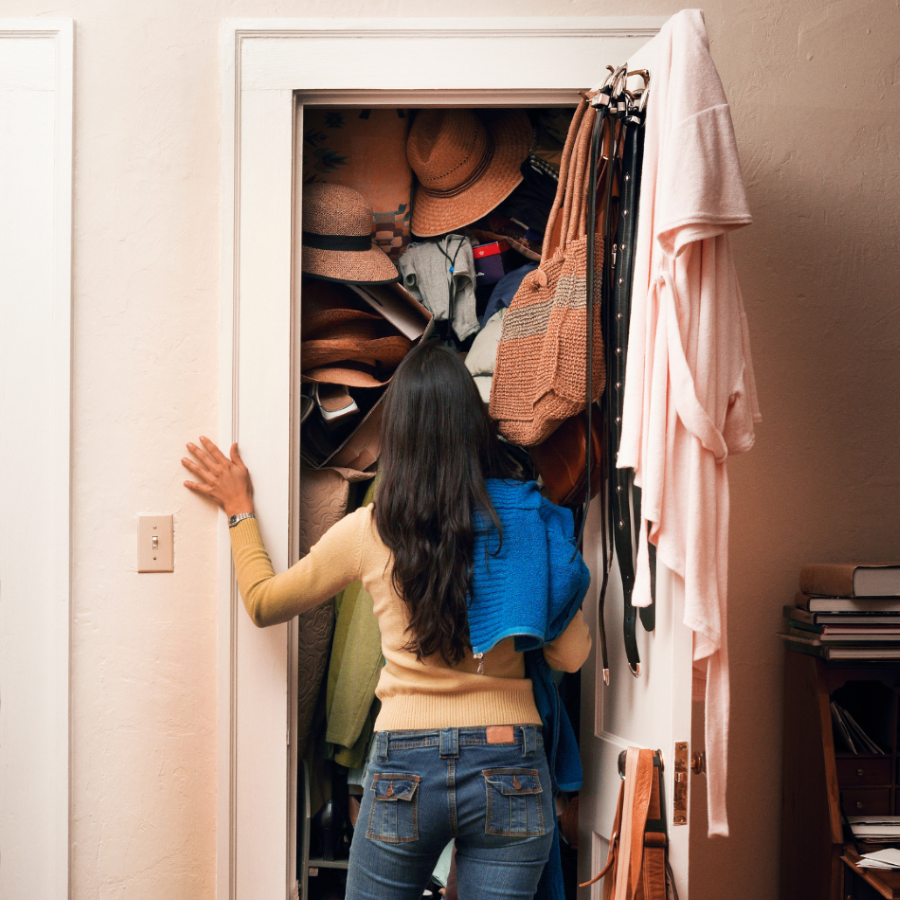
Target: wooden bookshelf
<point>867,884</point>
<point>819,780</point>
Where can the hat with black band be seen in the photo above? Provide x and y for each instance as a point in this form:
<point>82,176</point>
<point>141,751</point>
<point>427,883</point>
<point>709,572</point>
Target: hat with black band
<point>338,237</point>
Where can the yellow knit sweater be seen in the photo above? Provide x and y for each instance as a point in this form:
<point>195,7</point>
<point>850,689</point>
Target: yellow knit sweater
<point>414,694</point>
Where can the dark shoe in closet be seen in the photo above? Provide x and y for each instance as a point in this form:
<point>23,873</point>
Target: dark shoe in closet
<point>326,839</point>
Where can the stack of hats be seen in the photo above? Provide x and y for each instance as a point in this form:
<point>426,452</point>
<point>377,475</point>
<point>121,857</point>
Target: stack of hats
<point>343,346</point>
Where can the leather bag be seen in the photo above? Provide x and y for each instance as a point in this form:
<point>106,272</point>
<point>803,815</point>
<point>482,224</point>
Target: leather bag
<point>560,460</point>
<point>540,378</point>
<point>637,867</point>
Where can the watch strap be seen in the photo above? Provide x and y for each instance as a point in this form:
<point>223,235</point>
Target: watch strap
<point>240,518</point>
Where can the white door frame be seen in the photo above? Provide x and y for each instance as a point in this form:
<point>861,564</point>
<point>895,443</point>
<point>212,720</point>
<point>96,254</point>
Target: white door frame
<point>36,79</point>
<point>270,65</point>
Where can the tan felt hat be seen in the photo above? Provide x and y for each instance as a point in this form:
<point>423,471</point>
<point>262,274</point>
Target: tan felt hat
<point>338,235</point>
<point>465,164</point>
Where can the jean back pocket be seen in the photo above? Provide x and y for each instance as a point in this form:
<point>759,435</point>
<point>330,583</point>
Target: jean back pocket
<point>394,816</point>
<point>514,802</point>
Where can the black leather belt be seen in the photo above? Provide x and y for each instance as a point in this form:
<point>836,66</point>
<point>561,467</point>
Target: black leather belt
<point>620,499</point>
<point>616,315</point>
<point>622,509</point>
<point>602,104</point>
<point>625,498</point>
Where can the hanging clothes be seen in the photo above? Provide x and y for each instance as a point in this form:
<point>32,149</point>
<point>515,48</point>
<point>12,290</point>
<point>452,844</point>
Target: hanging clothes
<point>690,394</point>
<point>482,355</point>
<point>504,290</point>
<point>353,672</point>
<point>441,276</point>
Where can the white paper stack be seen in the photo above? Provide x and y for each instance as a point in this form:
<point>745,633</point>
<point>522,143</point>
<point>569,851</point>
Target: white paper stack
<point>881,859</point>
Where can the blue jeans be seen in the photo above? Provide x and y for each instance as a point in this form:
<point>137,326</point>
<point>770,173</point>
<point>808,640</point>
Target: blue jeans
<point>426,788</point>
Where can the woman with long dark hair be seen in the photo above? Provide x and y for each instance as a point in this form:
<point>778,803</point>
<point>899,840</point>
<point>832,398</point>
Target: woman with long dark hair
<point>473,577</point>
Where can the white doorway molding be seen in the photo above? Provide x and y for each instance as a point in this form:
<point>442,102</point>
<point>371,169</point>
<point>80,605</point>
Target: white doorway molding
<point>270,68</point>
<point>36,94</point>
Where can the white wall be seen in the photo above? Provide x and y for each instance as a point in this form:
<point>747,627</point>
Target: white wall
<point>818,271</point>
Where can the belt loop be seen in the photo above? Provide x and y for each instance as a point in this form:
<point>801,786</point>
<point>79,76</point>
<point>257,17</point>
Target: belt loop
<point>529,741</point>
<point>381,746</point>
<point>450,743</point>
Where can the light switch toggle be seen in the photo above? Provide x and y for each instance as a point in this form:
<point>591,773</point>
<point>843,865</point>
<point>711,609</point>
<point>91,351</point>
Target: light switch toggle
<point>155,550</point>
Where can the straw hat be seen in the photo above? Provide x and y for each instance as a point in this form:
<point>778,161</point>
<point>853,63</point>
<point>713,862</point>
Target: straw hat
<point>338,225</point>
<point>348,348</point>
<point>465,165</point>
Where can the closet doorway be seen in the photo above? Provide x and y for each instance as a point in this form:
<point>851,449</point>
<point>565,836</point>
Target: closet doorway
<point>273,70</point>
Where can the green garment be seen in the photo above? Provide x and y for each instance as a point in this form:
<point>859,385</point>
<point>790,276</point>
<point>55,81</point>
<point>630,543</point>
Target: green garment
<point>353,673</point>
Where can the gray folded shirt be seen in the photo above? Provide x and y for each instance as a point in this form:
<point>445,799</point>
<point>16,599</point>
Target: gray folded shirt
<point>441,276</point>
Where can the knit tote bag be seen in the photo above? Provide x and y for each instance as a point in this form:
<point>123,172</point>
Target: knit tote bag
<point>540,374</point>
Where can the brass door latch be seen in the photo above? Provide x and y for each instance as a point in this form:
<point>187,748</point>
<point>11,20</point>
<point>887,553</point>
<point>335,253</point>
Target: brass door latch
<point>698,762</point>
<point>679,813</point>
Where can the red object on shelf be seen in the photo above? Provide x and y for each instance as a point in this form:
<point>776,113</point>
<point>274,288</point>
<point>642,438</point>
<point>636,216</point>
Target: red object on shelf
<point>490,264</point>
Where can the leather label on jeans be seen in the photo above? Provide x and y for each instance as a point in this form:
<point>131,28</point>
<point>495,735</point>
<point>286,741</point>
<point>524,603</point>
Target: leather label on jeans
<point>501,734</point>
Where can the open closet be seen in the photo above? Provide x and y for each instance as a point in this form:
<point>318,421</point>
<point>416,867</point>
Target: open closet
<point>278,76</point>
<point>444,265</point>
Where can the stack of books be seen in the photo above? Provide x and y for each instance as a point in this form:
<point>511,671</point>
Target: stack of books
<point>846,611</point>
<point>876,830</point>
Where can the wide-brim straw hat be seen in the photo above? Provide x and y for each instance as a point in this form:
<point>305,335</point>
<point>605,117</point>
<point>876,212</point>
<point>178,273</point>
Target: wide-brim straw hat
<point>465,164</point>
<point>317,321</point>
<point>350,352</point>
<point>338,237</point>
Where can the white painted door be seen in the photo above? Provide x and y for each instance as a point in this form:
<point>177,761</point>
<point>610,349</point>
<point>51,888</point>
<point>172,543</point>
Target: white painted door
<point>651,710</point>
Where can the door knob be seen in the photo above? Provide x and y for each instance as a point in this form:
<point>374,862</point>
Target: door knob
<point>698,762</point>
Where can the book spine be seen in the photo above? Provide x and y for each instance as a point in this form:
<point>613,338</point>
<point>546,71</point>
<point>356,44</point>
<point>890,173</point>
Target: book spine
<point>806,627</point>
<point>808,649</point>
<point>856,728</point>
<point>841,727</point>
<point>831,580</point>
<point>800,633</point>
<point>799,615</point>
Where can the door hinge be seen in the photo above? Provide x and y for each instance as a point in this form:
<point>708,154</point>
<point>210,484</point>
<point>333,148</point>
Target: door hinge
<point>679,812</point>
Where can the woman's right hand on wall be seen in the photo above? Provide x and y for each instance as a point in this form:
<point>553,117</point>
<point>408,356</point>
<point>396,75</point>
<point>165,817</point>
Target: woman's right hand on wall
<point>226,481</point>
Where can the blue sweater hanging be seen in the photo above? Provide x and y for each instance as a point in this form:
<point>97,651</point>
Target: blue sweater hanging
<point>529,586</point>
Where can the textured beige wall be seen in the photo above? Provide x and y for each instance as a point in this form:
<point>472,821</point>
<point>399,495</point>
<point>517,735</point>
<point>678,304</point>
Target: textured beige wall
<point>819,275</point>
<point>818,270</point>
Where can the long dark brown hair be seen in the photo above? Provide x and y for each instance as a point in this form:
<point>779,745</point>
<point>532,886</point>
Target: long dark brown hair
<point>438,445</point>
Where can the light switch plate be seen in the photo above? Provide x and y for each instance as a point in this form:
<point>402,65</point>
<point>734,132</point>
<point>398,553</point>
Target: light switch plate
<point>155,549</point>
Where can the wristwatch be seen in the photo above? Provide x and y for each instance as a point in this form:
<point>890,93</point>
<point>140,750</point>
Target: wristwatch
<point>240,518</point>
